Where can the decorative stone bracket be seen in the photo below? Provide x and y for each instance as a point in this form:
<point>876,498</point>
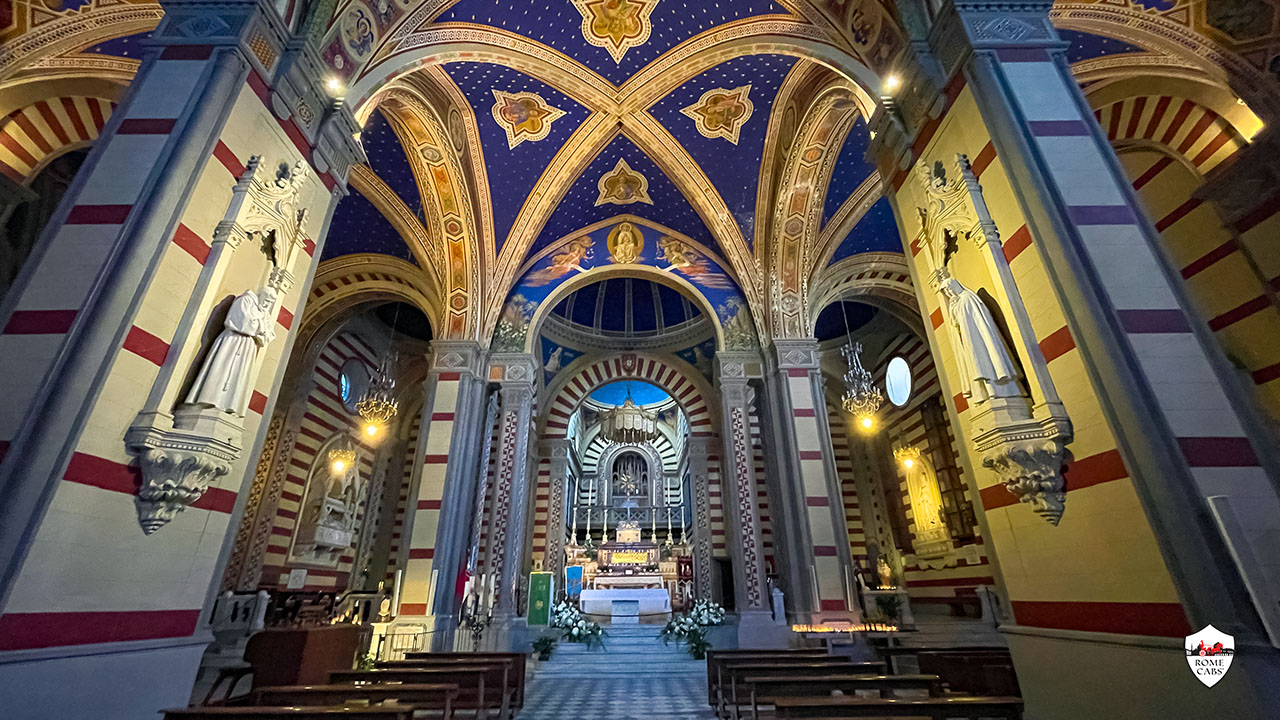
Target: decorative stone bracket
<point>1028,458</point>
<point>179,457</point>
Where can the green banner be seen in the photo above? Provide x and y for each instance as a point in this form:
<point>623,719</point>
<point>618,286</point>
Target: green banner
<point>541,593</point>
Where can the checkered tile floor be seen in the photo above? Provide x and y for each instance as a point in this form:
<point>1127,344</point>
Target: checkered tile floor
<point>639,698</point>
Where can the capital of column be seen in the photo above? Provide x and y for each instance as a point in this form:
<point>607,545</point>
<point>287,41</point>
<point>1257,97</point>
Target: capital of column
<point>738,366</point>
<point>456,356</point>
<point>798,353</point>
<point>514,370</point>
<point>964,26</point>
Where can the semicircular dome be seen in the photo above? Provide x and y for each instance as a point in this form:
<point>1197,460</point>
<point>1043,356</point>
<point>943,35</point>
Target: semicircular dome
<point>628,307</point>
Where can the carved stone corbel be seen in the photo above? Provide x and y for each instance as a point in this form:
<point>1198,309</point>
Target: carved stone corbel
<point>179,463</point>
<point>1031,470</point>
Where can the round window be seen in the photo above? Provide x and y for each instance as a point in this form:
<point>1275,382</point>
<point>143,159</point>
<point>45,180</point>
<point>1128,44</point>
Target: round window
<point>897,381</point>
<point>352,381</point>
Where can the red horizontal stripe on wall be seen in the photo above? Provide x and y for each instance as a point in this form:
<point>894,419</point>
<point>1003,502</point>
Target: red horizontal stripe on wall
<point>435,459</point>
<point>309,246</point>
<point>1237,314</point>
<point>1017,242</point>
<point>983,160</point>
<point>1177,214</point>
<point>810,454</point>
<point>1057,344</point>
<point>187,52</point>
<point>441,417</point>
<point>833,606</point>
<point>224,155</point>
<point>193,244</point>
<point>1095,470</point>
<point>429,504</point>
<point>797,372</point>
<point>216,500</point>
<point>817,501</point>
<point>1218,451</point>
<point>98,214</point>
<point>1260,376</point>
<point>449,376</point>
<point>996,496</point>
<point>146,346</point>
<point>413,608</point>
<point>39,322</point>
<point>258,402</point>
<point>421,553</point>
<point>1210,258</point>
<point>285,318</point>
<point>1256,216</point>
<point>28,631</point>
<point>935,318</point>
<point>804,412</point>
<point>146,126</point>
<point>961,402</point>
<point>1151,619</point>
<point>1152,171</point>
<point>87,469</point>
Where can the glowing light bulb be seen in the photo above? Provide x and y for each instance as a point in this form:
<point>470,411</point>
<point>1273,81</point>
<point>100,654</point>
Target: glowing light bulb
<point>866,422</point>
<point>372,430</point>
<point>339,466</point>
<point>333,84</point>
<point>892,82</point>
<point>909,463</point>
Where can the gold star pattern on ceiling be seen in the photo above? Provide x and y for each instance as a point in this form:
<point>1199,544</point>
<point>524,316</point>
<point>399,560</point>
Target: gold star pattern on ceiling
<point>523,116</point>
<point>721,113</point>
<point>623,186</point>
<point>616,25</point>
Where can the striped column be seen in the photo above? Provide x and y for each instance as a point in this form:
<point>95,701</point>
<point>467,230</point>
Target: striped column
<point>1195,450</point>
<point>816,518</point>
<point>558,462</point>
<point>517,373</point>
<point>439,508</point>
<point>740,484</point>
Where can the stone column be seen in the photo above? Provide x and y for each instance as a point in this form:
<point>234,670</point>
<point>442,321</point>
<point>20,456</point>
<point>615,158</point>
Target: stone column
<point>517,373</point>
<point>558,451</point>
<point>741,500</point>
<point>814,540</point>
<point>443,486</point>
<point>699,452</point>
<point>105,329</point>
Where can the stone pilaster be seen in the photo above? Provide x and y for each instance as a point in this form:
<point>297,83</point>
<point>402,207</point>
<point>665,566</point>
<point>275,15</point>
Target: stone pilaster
<point>559,454</point>
<point>517,373</point>
<point>743,510</point>
<point>698,451</point>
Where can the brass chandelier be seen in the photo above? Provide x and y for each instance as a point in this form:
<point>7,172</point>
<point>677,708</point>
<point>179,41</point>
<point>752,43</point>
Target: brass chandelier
<point>629,423</point>
<point>862,398</point>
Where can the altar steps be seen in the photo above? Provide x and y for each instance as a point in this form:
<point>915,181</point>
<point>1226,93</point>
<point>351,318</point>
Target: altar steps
<point>628,650</point>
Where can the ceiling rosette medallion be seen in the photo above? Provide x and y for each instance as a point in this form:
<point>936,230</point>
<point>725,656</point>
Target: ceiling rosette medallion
<point>523,116</point>
<point>616,25</point>
<point>623,186</point>
<point>721,113</point>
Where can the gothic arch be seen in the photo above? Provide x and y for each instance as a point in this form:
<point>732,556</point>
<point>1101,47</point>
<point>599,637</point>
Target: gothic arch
<point>38,133</point>
<point>882,279</point>
<point>680,380</point>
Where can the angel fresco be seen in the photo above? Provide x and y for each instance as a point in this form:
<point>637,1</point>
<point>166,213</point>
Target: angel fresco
<point>691,263</point>
<point>574,255</point>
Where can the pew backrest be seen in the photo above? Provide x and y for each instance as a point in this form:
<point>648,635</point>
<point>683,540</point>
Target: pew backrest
<point>226,712</point>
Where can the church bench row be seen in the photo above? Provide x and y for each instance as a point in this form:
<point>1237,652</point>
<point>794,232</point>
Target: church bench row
<point>767,689</point>
<point>716,657</point>
<point>985,672</point>
<point>439,697</point>
<point>516,673</point>
<point>933,708</point>
<point>893,655</point>
<point>339,712</point>
<point>731,693</point>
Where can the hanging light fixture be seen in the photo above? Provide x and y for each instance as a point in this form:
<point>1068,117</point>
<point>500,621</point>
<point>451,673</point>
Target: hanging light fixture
<point>377,406</point>
<point>862,398</point>
<point>908,456</point>
<point>341,459</point>
<point>629,423</point>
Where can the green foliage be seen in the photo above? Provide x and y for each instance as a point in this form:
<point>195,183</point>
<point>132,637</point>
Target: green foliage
<point>366,662</point>
<point>889,606</point>
<point>543,646</point>
<point>697,643</point>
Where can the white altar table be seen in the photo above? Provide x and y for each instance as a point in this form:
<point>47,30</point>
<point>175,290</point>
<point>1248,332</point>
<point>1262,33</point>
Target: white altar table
<point>599,603</point>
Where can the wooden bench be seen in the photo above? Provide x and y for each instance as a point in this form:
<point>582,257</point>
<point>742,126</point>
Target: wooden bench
<point>973,672</point>
<point>423,696</point>
<point>934,708</point>
<point>228,712</point>
<point>518,667</point>
<point>765,689</point>
<point>477,684</point>
<point>729,682</point>
<point>503,683</point>
<point>891,655</point>
<point>715,657</point>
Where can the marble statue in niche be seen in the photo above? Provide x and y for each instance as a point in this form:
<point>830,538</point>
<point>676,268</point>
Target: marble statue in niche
<point>226,379</point>
<point>986,368</point>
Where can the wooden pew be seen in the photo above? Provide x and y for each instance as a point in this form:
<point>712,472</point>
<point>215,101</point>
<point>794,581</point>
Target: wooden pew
<point>518,667</point>
<point>892,654</point>
<point>503,683</point>
<point>715,657</point>
<point>729,682</point>
<point>230,712</point>
<point>477,683</point>
<point>765,689</point>
<point>934,708</point>
<point>972,672</point>
<point>425,696</point>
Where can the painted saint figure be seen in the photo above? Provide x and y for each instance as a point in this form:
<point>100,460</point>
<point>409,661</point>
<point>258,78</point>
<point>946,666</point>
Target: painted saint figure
<point>624,244</point>
<point>225,381</point>
<point>986,368</point>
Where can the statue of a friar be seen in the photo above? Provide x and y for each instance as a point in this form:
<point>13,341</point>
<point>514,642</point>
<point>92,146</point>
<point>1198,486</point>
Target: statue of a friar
<point>225,381</point>
<point>986,369</point>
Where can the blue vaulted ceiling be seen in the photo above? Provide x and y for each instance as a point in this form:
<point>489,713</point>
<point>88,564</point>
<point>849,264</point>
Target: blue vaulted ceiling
<point>358,227</point>
<point>558,23</point>
<point>850,170</point>
<point>1086,46</point>
<point>512,172</point>
<point>129,46</point>
<point>626,306</point>
<point>733,169</point>
<point>876,231</point>
<point>578,207</point>
<point>387,158</point>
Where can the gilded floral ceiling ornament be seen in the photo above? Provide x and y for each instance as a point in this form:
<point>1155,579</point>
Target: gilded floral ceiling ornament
<point>616,25</point>
<point>523,116</point>
<point>623,186</point>
<point>721,113</point>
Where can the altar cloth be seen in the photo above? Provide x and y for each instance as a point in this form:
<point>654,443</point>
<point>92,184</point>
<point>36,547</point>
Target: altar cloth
<point>599,603</point>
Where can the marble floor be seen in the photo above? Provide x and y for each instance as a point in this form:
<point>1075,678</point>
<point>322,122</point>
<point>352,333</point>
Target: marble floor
<point>635,677</point>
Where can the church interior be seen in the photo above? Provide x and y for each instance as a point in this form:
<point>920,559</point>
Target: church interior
<point>639,359</point>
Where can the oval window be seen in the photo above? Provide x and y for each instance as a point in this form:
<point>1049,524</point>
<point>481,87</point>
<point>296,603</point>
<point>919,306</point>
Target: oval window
<point>897,381</point>
<point>352,381</point>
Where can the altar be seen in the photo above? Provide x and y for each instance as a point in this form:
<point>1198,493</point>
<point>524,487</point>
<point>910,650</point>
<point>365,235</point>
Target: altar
<point>600,604</point>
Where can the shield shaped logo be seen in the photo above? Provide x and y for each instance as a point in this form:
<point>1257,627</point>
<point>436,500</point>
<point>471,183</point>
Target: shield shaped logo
<point>1209,654</point>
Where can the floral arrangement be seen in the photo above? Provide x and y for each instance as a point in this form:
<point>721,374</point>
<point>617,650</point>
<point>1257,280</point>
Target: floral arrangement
<point>544,646</point>
<point>690,628</point>
<point>577,629</point>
